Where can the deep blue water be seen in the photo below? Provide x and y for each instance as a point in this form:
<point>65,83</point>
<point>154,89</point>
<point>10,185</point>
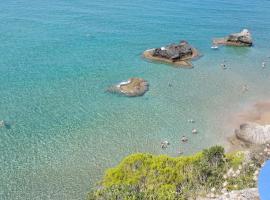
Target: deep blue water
<point>58,57</point>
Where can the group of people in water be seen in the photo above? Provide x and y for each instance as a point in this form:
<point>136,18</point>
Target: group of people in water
<point>184,139</point>
<point>244,87</point>
<point>224,65</point>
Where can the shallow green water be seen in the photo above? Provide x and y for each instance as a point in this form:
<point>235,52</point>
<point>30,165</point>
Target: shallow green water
<point>58,57</point>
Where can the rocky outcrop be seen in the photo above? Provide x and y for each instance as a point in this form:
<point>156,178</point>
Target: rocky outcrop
<point>246,194</point>
<point>132,87</point>
<point>252,133</point>
<point>236,39</point>
<point>174,52</point>
<point>177,54</point>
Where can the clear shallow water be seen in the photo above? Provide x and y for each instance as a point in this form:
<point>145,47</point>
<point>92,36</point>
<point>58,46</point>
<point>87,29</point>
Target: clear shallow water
<point>58,57</point>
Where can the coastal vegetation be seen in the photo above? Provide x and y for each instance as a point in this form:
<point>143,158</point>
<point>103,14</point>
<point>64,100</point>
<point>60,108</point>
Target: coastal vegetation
<point>147,176</point>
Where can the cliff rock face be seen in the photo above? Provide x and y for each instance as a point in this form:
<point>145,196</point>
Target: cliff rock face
<point>174,52</point>
<point>253,133</point>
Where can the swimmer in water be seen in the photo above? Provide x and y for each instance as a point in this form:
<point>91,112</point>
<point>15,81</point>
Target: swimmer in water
<point>263,64</point>
<point>194,131</point>
<point>164,144</point>
<point>191,121</point>
<point>184,139</point>
<point>180,153</point>
<point>244,88</point>
<point>223,66</point>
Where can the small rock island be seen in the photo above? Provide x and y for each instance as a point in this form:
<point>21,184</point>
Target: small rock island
<point>176,54</point>
<point>242,39</point>
<point>132,87</point>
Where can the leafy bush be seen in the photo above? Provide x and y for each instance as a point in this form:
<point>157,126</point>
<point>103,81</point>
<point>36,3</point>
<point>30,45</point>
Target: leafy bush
<point>145,176</point>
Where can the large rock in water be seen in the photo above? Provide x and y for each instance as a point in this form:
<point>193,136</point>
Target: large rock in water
<point>236,39</point>
<point>132,87</point>
<point>174,52</point>
<point>252,133</point>
<point>244,37</point>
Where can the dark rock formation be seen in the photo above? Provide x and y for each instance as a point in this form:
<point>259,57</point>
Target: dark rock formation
<point>174,52</point>
<point>177,54</point>
<point>133,87</point>
<point>236,39</point>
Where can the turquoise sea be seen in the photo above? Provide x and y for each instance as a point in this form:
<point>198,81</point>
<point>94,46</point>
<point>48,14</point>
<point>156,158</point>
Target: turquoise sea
<point>57,57</point>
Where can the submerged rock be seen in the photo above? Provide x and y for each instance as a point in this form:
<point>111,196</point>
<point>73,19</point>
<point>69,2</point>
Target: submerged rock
<point>132,87</point>
<point>252,133</point>
<point>236,39</point>
<point>177,54</point>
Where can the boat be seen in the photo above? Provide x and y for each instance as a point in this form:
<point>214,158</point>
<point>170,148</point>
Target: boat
<point>214,47</point>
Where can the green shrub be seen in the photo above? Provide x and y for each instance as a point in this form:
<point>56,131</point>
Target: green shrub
<point>235,159</point>
<point>145,176</point>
